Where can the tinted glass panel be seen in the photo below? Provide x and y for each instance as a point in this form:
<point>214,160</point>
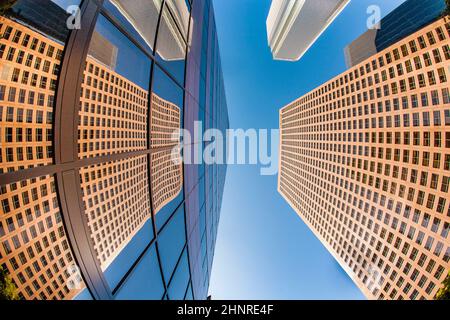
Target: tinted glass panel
<point>117,204</point>
<point>179,282</point>
<point>145,282</point>
<point>129,148</point>
<point>171,242</point>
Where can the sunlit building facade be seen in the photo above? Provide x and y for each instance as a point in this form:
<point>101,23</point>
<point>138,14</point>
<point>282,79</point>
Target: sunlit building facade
<point>95,202</point>
<point>365,163</point>
<point>409,17</point>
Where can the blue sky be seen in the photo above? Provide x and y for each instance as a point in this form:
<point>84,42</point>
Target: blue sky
<point>264,250</point>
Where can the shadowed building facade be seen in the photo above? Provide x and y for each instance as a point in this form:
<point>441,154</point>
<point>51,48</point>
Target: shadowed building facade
<point>365,162</point>
<point>95,203</point>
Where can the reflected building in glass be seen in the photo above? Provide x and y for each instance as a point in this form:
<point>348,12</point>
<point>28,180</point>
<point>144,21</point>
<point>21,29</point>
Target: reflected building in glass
<point>96,203</point>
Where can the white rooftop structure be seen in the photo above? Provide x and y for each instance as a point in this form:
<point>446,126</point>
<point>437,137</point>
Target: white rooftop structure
<point>143,16</point>
<point>294,25</point>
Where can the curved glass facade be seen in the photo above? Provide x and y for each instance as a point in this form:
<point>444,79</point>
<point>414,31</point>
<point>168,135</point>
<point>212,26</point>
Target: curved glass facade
<point>92,204</point>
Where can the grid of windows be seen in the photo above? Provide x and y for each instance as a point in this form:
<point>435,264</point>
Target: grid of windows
<point>28,74</point>
<point>365,163</point>
<point>34,248</point>
<point>166,120</point>
<point>113,113</point>
<point>120,192</point>
<point>115,196</point>
<point>166,165</point>
<point>167,178</point>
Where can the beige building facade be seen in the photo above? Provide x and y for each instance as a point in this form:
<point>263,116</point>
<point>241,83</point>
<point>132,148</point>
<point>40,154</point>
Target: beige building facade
<point>365,162</point>
<point>166,165</point>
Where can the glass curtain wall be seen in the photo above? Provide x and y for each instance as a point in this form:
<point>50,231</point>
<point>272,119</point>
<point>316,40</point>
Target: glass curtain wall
<point>92,204</point>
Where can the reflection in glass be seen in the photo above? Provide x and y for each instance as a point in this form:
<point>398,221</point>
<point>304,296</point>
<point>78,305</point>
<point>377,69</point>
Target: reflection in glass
<point>145,280</point>
<point>138,16</point>
<point>172,38</point>
<point>142,17</point>
<point>34,250</point>
<point>117,208</point>
<point>173,31</point>
<point>33,36</point>
<point>166,165</point>
<point>113,104</point>
<point>113,119</point>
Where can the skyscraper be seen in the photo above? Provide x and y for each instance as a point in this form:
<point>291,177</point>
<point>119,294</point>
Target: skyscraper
<point>294,26</point>
<point>365,163</point>
<point>95,202</point>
